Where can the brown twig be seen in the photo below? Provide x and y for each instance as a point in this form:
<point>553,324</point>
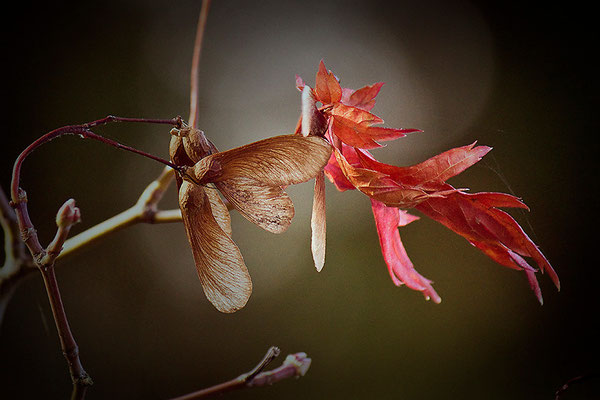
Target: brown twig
<point>295,365</point>
<point>17,261</point>
<point>576,380</point>
<point>195,74</point>
<point>84,131</point>
<point>44,258</point>
<point>144,210</point>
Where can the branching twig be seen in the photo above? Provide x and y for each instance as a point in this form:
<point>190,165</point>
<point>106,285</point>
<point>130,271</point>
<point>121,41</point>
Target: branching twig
<point>44,258</point>
<point>294,365</point>
<point>577,380</point>
<point>20,234</point>
<point>17,261</point>
<point>144,210</point>
<point>84,131</point>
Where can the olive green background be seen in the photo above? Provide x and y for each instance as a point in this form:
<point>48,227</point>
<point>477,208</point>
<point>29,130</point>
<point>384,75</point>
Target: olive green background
<point>517,79</point>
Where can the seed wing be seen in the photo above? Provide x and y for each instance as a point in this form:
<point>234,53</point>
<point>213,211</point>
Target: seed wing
<point>221,269</point>
<point>253,177</point>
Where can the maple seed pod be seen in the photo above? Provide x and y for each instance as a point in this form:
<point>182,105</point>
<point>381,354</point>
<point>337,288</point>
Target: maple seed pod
<point>195,143</point>
<point>253,177</point>
<point>176,150</point>
<point>206,170</point>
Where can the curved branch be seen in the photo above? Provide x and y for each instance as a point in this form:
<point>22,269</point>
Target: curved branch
<point>84,131</point>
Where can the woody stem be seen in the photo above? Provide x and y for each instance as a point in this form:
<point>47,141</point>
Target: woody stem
<point>67,341</point>
<point>84,131</point>
<point>40,256</point>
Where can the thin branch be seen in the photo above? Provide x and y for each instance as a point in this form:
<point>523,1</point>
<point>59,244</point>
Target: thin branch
<point>295,365</point>
<point>78,392</point>
<point>67,216</point>
<point>14,248</point>
<point>18,263</point>
<point>576,380</point>
<point>269,356</point>
<point>194,81</point>
<point>67,341</point>
<point>144,210</point>
<point>44,259</point>
<point>84,131</point>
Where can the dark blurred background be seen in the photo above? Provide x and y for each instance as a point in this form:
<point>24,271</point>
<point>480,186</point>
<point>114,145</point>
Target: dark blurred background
<point>518,78</point>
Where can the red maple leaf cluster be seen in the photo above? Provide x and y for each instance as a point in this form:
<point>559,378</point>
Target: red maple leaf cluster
<point>344,118</point>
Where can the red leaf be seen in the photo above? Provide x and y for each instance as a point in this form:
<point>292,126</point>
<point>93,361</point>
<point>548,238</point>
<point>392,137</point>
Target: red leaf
<point>382,186</point>
<point>356,115</point>
<point>327,87</point>
<point>401,269</point>
<point>354,127</point>
<point>477,218</point>
<point>433,171</point>
<point>336,175</point>
<point>362,98</point>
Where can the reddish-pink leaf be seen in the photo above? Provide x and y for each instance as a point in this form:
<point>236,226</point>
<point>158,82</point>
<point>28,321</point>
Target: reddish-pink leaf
<point>327,87</point>
<point>477,218</point>
<point>363,135</point>
<point>336,176</point>
<point>382,187</point>
<point>433,171</point>
<point>401,269</point>
<point>354,126</point>
<point>352,134</point>
<point>362,98</point>
<point>355,114</point>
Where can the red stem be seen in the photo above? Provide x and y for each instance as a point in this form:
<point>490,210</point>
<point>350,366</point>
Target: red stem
<point>84,131</point>
<point>46,265</point>
<point>67,341</point>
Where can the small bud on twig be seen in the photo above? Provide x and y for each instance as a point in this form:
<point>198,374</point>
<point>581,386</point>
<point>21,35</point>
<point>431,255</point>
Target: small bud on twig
<point>294,365</point>
<point>68,214</point>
